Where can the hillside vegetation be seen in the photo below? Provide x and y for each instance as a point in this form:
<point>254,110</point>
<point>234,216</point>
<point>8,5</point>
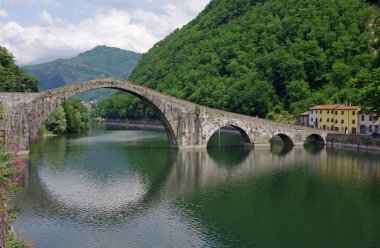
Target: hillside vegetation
<point>257,56</point>
<point>102,60</point>
<point>12,79</point>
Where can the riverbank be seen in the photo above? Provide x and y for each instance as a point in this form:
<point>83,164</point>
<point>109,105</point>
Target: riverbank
<point>145,123</point>
<point>354,141</point>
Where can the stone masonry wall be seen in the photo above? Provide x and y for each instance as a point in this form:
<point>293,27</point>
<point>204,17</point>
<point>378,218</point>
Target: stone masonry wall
<point>357,141</point>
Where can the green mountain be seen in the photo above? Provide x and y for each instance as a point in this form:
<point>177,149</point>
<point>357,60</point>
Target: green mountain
<point>260,56</point>
<point>102,60</point>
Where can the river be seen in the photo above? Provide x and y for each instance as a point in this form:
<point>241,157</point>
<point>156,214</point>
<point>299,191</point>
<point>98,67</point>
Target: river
<point>117,187</point>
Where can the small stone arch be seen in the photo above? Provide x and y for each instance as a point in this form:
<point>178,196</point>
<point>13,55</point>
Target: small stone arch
<point>286,139</point>
<point>315,139</point>
<point>243,133</point>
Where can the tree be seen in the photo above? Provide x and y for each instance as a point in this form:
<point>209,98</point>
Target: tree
<point>12,79</point>
<point>253,99</point>
<point>340,74</point>
<point>123,105</point>
<point>329,45</point>
<point>76,116</point>
<point>56,122</point>
<point>297,90</point>
<point>371,93</point>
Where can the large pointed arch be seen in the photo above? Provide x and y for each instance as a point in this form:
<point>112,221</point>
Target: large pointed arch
<point>57,96</point>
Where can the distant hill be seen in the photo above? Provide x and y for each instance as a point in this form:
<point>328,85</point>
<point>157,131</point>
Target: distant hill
<point>259,56</point>
<point>101,60</point>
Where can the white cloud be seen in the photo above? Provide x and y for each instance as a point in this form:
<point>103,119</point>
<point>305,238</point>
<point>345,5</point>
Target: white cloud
<point>46,18</point>
<point>136,30</point>
<point>3,13</point>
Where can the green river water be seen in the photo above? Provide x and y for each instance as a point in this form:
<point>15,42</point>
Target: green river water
<point>117,187</point>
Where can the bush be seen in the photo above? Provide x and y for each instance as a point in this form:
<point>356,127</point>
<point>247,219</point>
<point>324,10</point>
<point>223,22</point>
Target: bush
<point>10,171</point>
<point>12,241</point>
<point>270,116</point>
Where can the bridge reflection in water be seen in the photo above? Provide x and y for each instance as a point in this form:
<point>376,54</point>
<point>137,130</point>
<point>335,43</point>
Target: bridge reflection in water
<point>149,196</point>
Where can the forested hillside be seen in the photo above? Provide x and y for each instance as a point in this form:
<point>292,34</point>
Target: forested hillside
<point>102,60</point>
<point>12,79</point>
<point>257,56</point>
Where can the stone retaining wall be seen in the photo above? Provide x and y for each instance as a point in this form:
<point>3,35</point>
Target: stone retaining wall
<point>360,142</point>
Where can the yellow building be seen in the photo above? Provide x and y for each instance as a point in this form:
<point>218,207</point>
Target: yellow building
<point>336,117</point>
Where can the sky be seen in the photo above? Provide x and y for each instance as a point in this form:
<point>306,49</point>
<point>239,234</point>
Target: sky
<point>41,29</point>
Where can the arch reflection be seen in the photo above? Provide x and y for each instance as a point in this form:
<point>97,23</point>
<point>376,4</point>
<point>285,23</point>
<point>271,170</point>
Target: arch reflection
<point>228,156</point>
<point>280,149</point>
<point>280,145</point>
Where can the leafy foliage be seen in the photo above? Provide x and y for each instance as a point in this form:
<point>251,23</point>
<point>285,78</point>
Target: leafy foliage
<point>76,116</point>
<point>249,56</point>
<point>123,105</point>
<point>57,122</point>
<point>11,169</point>
<point>371,92</point>
<point>12,79</point>
<point>71,117</point>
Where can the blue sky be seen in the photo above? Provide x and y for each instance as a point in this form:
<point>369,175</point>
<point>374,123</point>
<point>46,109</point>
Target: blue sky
<point>35,29</point>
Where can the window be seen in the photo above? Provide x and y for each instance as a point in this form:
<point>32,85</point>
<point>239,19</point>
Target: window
<point>353,112</point>
<point>332,119</point>
<point>320,111</point>
<point>336,121</point>
<point>336,112</point>
<point>342,112</point>
<point>342,121</point>
<point>312,119</point>
<point>328,119</point>
<point>320,119</point>
<point>328,111</point>
<point>362,117</point>
<point>353,121</point>
<point>370,118</point>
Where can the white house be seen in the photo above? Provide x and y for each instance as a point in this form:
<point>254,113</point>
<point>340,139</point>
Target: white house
<point>368,123</point>
<point>313,118</point>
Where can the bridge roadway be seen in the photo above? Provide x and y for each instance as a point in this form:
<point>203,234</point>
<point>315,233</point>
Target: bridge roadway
<point>186,124</point>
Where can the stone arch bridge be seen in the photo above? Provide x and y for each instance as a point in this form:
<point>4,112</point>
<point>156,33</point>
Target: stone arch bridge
<point>186,124</point>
